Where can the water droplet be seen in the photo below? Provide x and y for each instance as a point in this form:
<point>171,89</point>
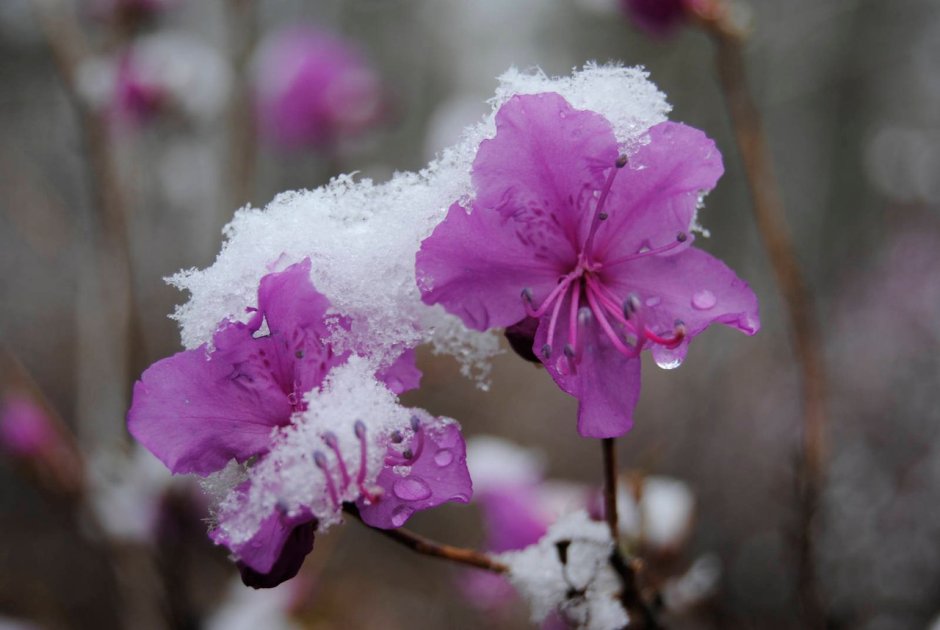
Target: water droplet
<point>401,514</point>
<point>668,363</point>
<point>443,457</point>
<point>653,301</point>
<point>411,489</point>
<point>704,300</point>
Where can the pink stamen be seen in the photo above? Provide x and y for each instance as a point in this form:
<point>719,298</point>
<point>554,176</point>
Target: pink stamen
<point>547,348</point>
<point>669,342</point>
<point>331,441</point>
<point>680,239</point>
<point>573,325</point>
<point>320,460</point>
<point>360,429</point>
<point>541,310</point>
<point>598,312</point>
<point>599,214</point>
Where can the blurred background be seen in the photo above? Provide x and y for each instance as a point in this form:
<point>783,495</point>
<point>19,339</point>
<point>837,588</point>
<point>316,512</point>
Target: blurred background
<point>130,141</point>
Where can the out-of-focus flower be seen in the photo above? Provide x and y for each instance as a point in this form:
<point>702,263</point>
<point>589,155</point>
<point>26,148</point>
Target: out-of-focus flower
<point>25,428</point>
<point>130,10</point>
<point>244,609</point>
<point>200,409</point>
<point>163,73</point>
<point>655,513</point>
<point>313,89</point>
<point>658,17</point>
<point>594,246</point>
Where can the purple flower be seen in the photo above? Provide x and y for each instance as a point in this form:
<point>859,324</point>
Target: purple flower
<point>313,89</point>
<point>200,409</point>
<point>137,97</point>
<point>25,429</point>
<point>595,247</point>
<point>657,17</point>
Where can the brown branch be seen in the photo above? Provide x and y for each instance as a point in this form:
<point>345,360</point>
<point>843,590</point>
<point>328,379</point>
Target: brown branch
<point>243,134</point>
<point>631,596</point>
<point>68,48</point>
<point>428,547</point>
<point>772,224</point>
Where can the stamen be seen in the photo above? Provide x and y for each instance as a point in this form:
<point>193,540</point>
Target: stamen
<point>631,306</point>
<point>553,320</point>
<point>320,460</point>
<point>669,342</point>
<point>573,323</point>
<point>606,327</point>
<point>546,351</point>
<point>360,429</point>
<point>599,214</point>
<point>530,309</point>
<point>681,238</point>
<point>330,438</point>
<point>397,437</point>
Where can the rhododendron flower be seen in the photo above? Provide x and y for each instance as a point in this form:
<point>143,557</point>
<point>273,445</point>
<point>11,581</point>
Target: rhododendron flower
<point>200,409</point>
<point>594,245</point>
<point>313,89</point>
<point>25,429</point>
<point>658,17</point>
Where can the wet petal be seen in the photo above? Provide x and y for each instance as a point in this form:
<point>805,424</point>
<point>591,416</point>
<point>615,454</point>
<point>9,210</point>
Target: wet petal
<point>439,474</point>
<point>476,267</point>
<point>542,168</point>
<point>656,195</point>
<point>605,382</point>
<point>693,287</point>
<point>521,338</point>
<point>195,411</point>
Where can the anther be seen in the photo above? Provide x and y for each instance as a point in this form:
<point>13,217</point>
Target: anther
<point>360,429</point>
<point>527,295</point>
<point>320,460</point>
<point>621,161</point>
<point>547,351</point>
<point>602,216</point>
<point>682,237</point>
<point>415,423</point>
<point>330,438</point>
<point>569,351</point>
<point>407,454</point>
<point>397,437</point>
<point>584,316</point>
<point>631,305</point>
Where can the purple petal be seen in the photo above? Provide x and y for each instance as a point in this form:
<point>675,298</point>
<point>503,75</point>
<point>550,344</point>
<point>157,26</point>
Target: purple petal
<point>438,474</point>
<point>476,267</point>
<point>403,375</point>
<point>296,316</point>
<point>196,412</point>
<point>542,169</point>
<point>277,550</point>
<point>693,287</point>
<point>656,195</point>
<point>605,382</point>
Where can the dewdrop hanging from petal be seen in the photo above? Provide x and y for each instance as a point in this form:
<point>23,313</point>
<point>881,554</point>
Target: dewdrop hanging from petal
<point>588,247</point>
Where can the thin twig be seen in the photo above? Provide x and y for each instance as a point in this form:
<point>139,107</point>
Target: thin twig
<point>67,45</point>
<point>631,596</point>
<point>243,136</point>
<point>772,224</point>
<point>428,547</point>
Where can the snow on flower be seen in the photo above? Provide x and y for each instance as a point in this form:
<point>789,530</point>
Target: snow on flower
<point>313,89</point>
<point>568,572</point>
<point>582,248</point>
<point>362,237</point>
<point>313,428</point>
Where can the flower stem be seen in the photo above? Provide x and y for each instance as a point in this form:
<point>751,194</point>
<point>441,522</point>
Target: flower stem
<point>428,547</point>
<point>631,596</point>
<point>771,221</point>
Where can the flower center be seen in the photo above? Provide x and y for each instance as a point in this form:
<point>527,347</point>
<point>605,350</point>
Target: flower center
<point>590,300</point>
